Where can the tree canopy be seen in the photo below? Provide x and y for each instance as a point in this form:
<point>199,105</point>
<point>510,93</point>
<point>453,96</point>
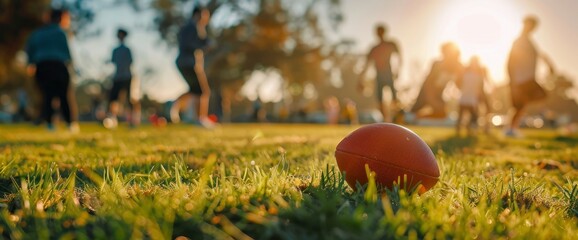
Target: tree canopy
<point>248,34</point>
<point>18,18</point>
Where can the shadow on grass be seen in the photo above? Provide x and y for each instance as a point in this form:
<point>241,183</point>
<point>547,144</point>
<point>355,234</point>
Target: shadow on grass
<point>454,144</point>
<point>567,140</point>
<point>48,143</point>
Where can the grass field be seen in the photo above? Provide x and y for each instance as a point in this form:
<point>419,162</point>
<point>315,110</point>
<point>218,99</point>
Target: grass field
<point>275,182</point>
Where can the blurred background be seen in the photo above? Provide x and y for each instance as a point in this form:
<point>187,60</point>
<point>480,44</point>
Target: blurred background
<point>291,60</point>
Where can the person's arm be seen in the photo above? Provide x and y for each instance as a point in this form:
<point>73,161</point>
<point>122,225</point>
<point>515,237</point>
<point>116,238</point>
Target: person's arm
<point>548,62</point>
<point>66,48</point>
<point>200,71</point>
<point>202,27</point>
<point>512,59</point>
<point>113,57</point>
<point>129,53</point>
<point>190,39</point>
<point>397,51</point>
<point>30,51</point>
<point>432,75</point>
<point>361,76</point>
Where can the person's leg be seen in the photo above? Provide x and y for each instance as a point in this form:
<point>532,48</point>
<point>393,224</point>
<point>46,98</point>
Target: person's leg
<point>472,122</point>
<point>124,100</point>
<point>474,116</point>
<point>486,113</point>
<point>47,108</point>
<point>383,110</point>
<point>394,106</point>
<point>196,104</point>
<point>204,105</point>
<point>518,103</point>
<point>63,92</point>
<point>419,102</point>
<point>379,85</point>
<point>183,102</point>
<point>136,113</point>
<point>133,104</point>
<point>391,84</point>
<point>43,78</point>
<point>205,95</point>
<point>461,113</point>
<point>200,103</point>
<point>113,106</point>
<point>515,123</point>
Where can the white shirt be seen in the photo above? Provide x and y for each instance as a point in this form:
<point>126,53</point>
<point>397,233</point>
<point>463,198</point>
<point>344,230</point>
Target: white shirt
<point>472,87</point>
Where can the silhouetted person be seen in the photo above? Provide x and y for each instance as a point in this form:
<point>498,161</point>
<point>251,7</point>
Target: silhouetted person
<point>471,85</point>
<point>350,110</point>
<point>193,40</point>
<point>522,72</point>
<point>430,102</point>
<point>381,55</point>
<point>48,58</point>
<point>121,82</point>
<point>332,109</point>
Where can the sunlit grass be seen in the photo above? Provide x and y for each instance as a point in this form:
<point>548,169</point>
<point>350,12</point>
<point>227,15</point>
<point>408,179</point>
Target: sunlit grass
<point>275,182</point>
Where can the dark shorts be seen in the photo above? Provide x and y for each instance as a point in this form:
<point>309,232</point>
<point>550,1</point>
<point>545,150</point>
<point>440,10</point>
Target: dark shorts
<point>119,85</point>
<point>53,80</point>
<point>53,77</point>
<point>192,80</point>
<point>526,92</point>
<point>384,79</point>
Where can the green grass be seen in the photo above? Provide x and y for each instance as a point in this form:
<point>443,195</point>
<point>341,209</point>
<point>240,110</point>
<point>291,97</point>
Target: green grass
<point>275,182</point>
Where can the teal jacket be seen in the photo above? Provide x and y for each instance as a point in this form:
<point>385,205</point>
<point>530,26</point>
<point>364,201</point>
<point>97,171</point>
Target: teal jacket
<point>48,43</point>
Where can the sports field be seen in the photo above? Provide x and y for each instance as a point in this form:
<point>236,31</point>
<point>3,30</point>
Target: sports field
<point>276,182</point>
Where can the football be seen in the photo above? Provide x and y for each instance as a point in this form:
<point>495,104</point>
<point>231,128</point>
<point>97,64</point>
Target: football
<point>394,153</point>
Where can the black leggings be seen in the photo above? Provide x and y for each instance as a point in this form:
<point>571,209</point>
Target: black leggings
<point>53,81</point>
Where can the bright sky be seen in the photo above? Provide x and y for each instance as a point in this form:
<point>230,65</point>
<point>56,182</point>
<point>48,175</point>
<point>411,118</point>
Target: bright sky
<point>483,27</point>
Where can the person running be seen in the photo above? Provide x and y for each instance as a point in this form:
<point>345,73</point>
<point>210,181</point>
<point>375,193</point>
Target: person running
<point>381,55</point>
<point>121,83</point>
<point>193,40</point>
<point>522,63</point>
<point>48,58</point>
<point>430,102</point>
<point>471,85</point>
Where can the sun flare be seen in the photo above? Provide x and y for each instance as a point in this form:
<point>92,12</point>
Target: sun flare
<point>486,29</point>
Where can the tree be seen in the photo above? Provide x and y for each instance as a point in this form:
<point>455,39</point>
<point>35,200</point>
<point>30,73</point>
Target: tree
<point>249,35</point>
<point>18,18</point>
<point>252,35</point>
<point>286,35</point>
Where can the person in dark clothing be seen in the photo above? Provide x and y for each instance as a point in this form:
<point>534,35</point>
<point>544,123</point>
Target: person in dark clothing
<point>380,55</point>
<point>193,40</point>
<point>430,102</point>
<point>49,57</point>
<point>522,65</point>
<point>121,82</point>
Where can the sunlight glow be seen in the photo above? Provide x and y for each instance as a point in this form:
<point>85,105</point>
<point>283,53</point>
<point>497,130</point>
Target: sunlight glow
<point>486,29</point>
<point>266,85</point>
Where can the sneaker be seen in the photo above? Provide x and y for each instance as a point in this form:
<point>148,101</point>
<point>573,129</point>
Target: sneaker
<point>73,127</point>
<point>174,113</point>
<point>207,123</point>
<point>50,127</point>
<point>513,133</point>
<point>110,122</point>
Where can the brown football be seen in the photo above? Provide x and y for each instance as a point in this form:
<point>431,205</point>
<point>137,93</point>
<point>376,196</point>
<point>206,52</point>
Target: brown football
<point>391,151</point>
